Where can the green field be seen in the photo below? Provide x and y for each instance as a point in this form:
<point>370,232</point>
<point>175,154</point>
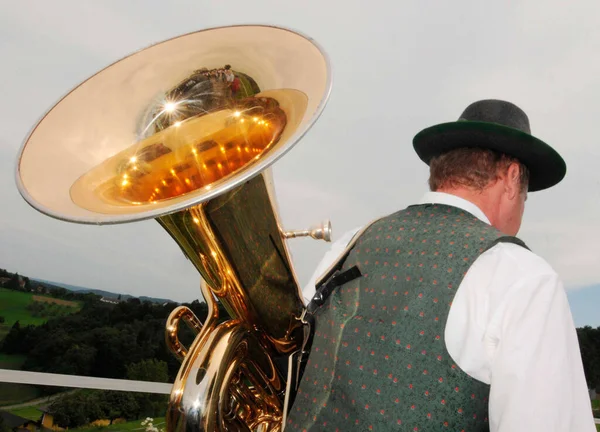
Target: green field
<point>15,306</point>
<point>123,427</point>
<point>31,413</point>
<point>596,408</point>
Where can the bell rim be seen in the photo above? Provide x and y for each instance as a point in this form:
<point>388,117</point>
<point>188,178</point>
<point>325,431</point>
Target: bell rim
<point>193,199</point>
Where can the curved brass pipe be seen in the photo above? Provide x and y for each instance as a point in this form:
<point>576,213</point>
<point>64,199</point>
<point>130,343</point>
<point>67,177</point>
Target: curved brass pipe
<point>189,317</point>
<point>209,397</point>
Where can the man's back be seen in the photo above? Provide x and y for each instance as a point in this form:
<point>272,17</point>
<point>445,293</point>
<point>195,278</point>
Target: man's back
<point>509,319</point>
<point>379,356</point>
<point>502,315</point>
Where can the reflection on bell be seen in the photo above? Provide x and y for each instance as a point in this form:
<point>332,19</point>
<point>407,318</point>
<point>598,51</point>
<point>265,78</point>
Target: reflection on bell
<point>192,152</point>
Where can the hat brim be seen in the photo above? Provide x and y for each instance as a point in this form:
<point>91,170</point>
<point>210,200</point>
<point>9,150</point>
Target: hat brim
<point>546,167</point>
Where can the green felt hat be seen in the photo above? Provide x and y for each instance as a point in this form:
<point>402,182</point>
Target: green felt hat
<point>500,126</point>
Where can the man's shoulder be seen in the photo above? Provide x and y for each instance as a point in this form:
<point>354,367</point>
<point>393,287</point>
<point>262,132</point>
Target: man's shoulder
<point>511,256</point>
<point>506,274</point>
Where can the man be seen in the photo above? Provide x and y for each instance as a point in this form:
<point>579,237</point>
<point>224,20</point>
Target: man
<point>452,323</point>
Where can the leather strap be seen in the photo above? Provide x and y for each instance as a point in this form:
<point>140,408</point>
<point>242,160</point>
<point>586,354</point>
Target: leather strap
<point>325,290</point>
<point>336,265</point>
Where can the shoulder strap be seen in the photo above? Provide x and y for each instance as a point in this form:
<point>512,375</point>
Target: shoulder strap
<point>507,239</point>
<point>337,264</point>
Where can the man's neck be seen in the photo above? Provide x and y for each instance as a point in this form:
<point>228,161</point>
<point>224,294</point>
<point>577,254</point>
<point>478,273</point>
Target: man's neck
<point>480,200</point>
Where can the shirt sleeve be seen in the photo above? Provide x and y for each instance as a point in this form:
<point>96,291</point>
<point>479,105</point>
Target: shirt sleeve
<point>537,378</point>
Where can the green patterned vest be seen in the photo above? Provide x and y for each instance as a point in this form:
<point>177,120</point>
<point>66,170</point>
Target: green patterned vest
<point>378,359</point>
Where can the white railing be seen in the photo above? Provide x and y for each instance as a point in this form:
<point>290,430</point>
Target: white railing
<point>77,381</point>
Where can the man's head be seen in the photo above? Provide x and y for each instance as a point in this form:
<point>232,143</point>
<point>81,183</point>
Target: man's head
<point>497,183</point>
<point>483,157</point>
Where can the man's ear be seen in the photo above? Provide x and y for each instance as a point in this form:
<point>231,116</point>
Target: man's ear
<point>512,183</point>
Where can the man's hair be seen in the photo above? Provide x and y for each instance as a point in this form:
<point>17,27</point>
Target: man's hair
<point>474,168</point>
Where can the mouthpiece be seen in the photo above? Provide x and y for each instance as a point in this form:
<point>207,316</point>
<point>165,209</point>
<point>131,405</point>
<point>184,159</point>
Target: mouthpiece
<point>320,232</point>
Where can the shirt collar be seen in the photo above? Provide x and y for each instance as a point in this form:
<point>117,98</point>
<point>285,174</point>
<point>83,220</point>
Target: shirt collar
<point>454,201</point>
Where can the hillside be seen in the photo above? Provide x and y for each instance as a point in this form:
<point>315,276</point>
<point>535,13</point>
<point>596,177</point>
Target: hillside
<point>28,308</point>
<point>105,294</point>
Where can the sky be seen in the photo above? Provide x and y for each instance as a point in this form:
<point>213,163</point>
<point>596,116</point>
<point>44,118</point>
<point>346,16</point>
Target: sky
<point>398,67</point>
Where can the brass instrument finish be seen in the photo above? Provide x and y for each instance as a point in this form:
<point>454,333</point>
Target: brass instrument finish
<point>185,132</point>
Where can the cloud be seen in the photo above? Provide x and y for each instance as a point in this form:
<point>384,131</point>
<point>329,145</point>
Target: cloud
<point>572,249</point>
<point>397,68</point>
<point>97,28</point>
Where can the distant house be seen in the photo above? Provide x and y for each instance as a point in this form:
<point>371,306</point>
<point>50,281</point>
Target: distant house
<point>48,425</point>
<point>47,420</point>
<point>110,300</point>
<point>3,280</point>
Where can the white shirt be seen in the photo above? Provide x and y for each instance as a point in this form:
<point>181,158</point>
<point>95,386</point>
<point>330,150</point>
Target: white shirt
<point>510,326</point>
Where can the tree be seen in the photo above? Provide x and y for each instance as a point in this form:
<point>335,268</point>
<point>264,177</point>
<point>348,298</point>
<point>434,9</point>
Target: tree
<point>116,404</point>
<point>77,360</point>
<point>13,340</point>
<point>115,348</point>
<point>13,283</point>
<point>101,339</point>
<point>3,426</point>
<point>589,343</point>
<point>150,370</point>
<point>76,409</point>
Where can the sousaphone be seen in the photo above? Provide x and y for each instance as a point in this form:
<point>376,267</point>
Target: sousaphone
<point>185,132</point>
